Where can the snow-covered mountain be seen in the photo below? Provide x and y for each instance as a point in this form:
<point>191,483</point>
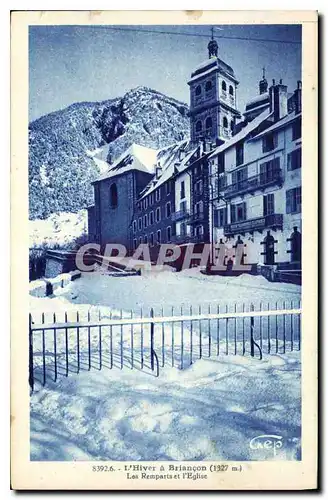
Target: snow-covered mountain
<point>68,148</point>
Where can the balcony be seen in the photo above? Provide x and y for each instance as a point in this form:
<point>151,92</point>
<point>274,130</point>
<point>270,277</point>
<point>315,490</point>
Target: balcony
<point>180,239</point>
<point>272,221</point>
<point>260,181</point>
<point>196,217</point>
<point>180,215</point>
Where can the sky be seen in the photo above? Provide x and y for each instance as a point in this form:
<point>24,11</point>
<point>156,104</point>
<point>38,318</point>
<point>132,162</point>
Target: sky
<point>70,64</point>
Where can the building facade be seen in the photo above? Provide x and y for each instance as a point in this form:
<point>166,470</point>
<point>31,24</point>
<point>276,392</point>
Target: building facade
<point>257,181</point>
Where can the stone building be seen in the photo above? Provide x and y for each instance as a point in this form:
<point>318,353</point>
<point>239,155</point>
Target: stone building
<point>257,181</point>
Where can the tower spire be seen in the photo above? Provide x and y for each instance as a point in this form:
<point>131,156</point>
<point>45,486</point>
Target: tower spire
<point>212,46</point>
<point>263,85</point>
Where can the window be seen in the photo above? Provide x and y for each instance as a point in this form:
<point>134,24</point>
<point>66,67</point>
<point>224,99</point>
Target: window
<point>145,239</point>
<point>199,126</point>
<point>269,170</point>
<point>145,203</point>
<point>183,206</point>
<point>134,226</point>
<point>225,122</point>
<point>151,218</point>
<point>220,217</point>
<point>294,200</point>
<point>168,233</point>
<point>158,214</point>
<point>239,154</point>
<point>140,240</point>
<point>151,199</point>
<point>199,231</point>
<point>145,220</point>
<point>232,125</point>
<point>269,142</point>
<point>199,208</point>
<point>168,209</point>
<point>168,187</point>
<point>113,199</point>
<point>183,229</point>
<point>239,176</point>
<point>134,244</point>
<point>230,89</point>
<point>158,236</point>
<point>152,239</point>
<point>158,194</point>
<point>208,123</point>
<point>238,212</point>
<point>140,223</point>
<point>268,204</point>
<point>222,182</point>
<point>294,159</point>
<point>297,129</point>
<point>224,86</point>
<point>221,163</point>
<point>198,90</point>
<point>208,86</point>
<point>182,190</point>
<point>199,187</point>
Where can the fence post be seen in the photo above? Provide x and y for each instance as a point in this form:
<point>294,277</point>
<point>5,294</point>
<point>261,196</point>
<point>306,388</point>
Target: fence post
<point>30,365</point>
<point>152,326</point>
<point>252,331</point>
<point>55,348</point>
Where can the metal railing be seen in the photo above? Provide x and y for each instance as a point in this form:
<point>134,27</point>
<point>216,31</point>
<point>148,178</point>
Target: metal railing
<point>259,223</point>
<point>61,345</point>
<point>180,215</point>
<point>252,183</point>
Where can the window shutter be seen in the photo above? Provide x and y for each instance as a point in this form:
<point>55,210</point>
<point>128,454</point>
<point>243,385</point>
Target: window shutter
<point>233,213</point>
<point>216,218</point>
<point>265,205</point>
<point>244,210</point>
<point>234,177</point>
<point>288,201</point>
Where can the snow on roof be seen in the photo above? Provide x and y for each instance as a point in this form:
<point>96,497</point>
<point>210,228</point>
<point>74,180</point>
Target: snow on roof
<point>257,99</point>
<point>281,123</point>
<point>170,166</point>
<point>136,157</point>
<point>242,134</point>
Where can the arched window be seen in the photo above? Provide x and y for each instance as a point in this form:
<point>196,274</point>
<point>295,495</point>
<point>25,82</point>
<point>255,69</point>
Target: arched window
<point>199,126</point>
<point>113,199</point>
<point>230,89</point>
<point>198,90</point>
<point>208,86</point>
<point>231,125</point>
<point>208,123</point>
<point>224,85</point>
<point>225,122</point>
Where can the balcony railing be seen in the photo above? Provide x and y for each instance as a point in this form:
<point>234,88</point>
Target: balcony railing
<point>252,183</point>
<point>180,215</point>
<point>196,217</point>
<point>258,224</point>
<point>180,239</point>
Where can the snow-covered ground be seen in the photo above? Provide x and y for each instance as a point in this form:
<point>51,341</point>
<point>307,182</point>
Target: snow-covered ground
<point>60,228</point>
<point>209,410</point>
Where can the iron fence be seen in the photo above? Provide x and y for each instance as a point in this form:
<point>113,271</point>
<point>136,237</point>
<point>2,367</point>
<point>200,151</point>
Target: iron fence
<point>61,344</point>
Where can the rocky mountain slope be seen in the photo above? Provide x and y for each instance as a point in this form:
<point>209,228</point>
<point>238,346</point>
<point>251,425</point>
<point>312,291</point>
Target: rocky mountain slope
<point>63,144</point>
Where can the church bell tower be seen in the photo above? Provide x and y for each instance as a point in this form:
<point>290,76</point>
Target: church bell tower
<point>213,103</point>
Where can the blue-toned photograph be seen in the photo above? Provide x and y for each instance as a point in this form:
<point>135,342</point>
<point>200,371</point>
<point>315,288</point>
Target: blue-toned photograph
<point>165,243</point>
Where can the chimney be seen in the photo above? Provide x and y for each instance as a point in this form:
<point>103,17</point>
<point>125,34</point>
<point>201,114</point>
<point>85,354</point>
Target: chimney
<point>278,100</point>
<point>298,97</point>
<point>158,171</point>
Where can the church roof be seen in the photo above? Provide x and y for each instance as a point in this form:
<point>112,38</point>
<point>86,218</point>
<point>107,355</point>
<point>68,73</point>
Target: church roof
<point>136,157</point>
<point>212,64</point>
